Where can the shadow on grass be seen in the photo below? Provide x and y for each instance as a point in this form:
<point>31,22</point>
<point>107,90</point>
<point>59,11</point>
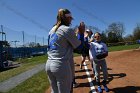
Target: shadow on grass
<point>10,67</point>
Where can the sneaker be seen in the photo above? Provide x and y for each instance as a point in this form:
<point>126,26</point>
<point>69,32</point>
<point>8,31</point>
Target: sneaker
<point>106,88</point>
<point>75,85</point>
<point>99,89</point>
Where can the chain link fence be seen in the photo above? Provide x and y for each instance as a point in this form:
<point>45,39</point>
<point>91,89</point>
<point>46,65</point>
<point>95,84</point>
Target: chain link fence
<point>19,44</point>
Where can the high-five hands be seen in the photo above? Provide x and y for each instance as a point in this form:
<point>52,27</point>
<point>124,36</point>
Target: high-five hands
<point>81,28</point>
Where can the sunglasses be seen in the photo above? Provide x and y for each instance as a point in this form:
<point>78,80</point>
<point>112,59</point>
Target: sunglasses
<point>96,36</point>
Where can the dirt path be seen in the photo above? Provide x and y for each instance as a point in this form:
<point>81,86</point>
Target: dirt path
<point>124,73</point>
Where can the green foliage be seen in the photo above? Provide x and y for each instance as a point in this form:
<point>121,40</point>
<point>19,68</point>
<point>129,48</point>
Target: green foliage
<point>129,38</point>
<point>136,32</point>
<point>135,36</point>
<point>115,32</point>
<point>112,37</point>
<point>104,37</point>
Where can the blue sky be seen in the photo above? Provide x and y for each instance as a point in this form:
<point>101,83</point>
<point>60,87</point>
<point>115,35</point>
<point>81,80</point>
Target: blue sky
<point>36,17</point>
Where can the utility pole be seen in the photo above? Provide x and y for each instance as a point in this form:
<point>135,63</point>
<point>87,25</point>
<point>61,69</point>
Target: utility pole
<point>2,33</point>
<point>23,37</point>
<point>43,41</point>
<point>5,36</point>
<point>35,39</point>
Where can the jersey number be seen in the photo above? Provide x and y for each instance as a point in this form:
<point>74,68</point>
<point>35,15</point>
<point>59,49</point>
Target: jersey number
<point>52,41</point>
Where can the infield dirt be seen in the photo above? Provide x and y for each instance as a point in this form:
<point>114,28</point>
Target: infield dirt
<point>123,69</point>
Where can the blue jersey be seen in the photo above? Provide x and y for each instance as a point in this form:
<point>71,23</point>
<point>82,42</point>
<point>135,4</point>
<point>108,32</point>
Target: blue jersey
<point>81,38</point>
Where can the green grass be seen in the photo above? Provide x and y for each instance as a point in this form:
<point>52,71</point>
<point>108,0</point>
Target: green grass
<point>25,65</point>
<point>36,84</point>
<point>125,47</point>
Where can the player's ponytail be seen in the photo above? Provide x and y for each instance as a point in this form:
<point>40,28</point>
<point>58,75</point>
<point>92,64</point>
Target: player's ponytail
<point>61,18</point>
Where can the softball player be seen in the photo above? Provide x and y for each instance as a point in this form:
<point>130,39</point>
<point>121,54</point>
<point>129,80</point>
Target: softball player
<point>99,51</point>
<point>62,40</point>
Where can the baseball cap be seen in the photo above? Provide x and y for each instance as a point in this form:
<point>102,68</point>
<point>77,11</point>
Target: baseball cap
<point>88,30</point>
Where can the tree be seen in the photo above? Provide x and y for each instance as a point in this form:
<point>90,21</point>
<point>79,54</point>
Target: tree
<point>129,38</point>
<point>115,31</point>
<point>104,37</point>
<point>112,37</point>
<point>136,32</point>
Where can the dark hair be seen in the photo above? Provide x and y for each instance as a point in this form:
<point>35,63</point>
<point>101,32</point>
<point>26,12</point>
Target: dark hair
<point>90,31</point>
<point>61,19</point>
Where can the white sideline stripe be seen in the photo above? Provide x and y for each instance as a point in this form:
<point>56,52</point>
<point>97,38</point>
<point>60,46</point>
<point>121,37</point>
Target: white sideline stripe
<point>92,87</point>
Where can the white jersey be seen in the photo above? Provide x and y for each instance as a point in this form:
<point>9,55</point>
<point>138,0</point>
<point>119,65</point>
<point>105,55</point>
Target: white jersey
<point>62,43</point>
<point>97,48</point>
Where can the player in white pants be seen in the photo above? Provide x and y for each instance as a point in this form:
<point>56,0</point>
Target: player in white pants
<point>98,53</point>
<point>61,42</point>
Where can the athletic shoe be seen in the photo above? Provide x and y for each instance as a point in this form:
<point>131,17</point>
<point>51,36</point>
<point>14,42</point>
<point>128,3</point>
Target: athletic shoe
<point>106,88</point>
<point>100,89</point>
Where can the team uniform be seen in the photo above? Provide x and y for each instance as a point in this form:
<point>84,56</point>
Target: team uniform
<point>97,48</point>
<point>60,53</point>
<point>86,47</point>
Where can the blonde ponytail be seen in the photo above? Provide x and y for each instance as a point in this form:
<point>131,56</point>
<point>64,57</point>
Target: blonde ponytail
<point>61,18</point>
